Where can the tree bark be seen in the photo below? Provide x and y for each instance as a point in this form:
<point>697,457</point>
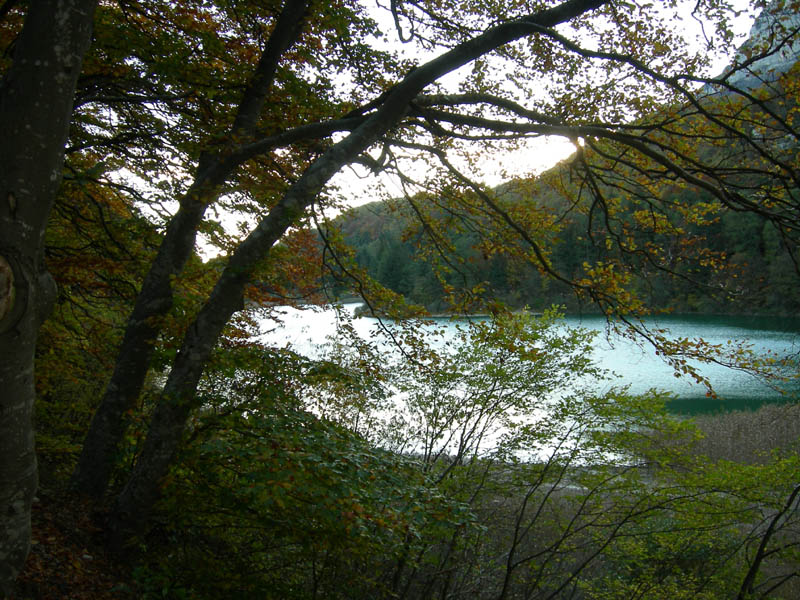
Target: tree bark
<point>154,301</point>
<point>36,97</point>
<point>178,397</point>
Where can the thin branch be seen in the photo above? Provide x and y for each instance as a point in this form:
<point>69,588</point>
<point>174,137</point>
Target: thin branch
<point>749,580</point>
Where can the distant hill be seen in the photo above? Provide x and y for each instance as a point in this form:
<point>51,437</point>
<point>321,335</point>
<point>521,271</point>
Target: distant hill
<point>766,282</point>
<point>765,38</point>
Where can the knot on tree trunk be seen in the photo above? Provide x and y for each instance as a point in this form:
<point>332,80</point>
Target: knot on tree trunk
<point>6,288</point>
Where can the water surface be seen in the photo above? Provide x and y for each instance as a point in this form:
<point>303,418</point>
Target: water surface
<point>636,365</point>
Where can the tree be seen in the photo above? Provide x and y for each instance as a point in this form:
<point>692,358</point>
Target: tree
<point>155,297</point>
<point>634,146</point>
<point>170,417</point>
<point>36,98</point>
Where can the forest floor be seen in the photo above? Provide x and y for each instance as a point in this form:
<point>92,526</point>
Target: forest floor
<point>67,559</point>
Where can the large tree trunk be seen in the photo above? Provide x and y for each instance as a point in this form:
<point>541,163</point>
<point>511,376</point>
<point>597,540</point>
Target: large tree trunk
<point>154,301</point>
<point>178,397</point>
<point>36,100</point>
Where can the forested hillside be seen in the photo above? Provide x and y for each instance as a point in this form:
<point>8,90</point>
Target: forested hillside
<point>760,280</point>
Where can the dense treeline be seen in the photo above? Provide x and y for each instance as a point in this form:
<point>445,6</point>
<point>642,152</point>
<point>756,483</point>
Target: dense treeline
<point>759,278</point>
<point>677,247</point>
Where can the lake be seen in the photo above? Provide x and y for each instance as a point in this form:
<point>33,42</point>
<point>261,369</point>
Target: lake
<point>638,367</point>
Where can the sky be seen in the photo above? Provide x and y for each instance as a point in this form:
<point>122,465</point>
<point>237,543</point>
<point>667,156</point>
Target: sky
<point>540,154</point>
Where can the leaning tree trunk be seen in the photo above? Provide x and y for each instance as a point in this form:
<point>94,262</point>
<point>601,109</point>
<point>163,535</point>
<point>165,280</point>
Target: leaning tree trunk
<point>154,300</point>
<point>178,398</point>
<point>36,99</point>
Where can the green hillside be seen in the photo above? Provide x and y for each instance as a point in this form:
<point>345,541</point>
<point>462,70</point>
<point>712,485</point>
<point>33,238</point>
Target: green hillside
<point>389,245</point>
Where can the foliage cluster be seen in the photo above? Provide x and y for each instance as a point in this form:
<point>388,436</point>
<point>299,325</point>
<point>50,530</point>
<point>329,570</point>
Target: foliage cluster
<point>470,470</point>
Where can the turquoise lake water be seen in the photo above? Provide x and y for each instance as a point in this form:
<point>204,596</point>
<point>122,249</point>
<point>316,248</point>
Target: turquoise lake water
<point>642,369</point>
<point>636,365</point>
